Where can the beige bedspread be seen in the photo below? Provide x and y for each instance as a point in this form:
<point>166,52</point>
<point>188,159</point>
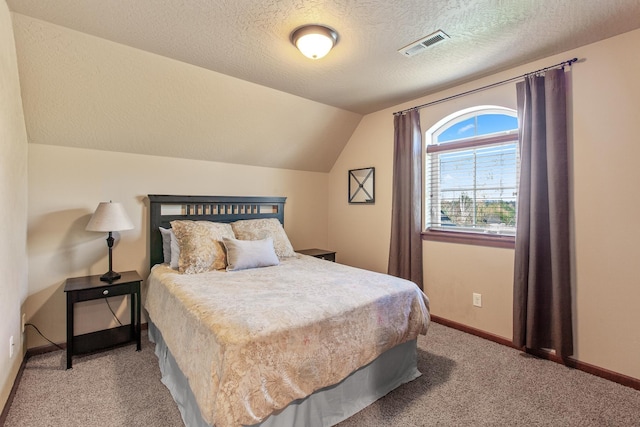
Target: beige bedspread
<point>250,342</point>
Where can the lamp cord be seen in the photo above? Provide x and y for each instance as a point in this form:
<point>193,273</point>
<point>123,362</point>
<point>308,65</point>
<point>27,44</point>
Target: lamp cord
<point>62,348</point>
<point>42,335</point>
<point>112,312</point>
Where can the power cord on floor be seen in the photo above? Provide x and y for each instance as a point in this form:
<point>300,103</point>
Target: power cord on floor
<point>42,335</point>
<point>112,312</point>
<point>61,348</point>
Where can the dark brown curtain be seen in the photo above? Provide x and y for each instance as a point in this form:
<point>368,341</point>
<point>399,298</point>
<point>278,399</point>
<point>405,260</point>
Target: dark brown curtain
<point>405,252</point>
<point>542,274</point>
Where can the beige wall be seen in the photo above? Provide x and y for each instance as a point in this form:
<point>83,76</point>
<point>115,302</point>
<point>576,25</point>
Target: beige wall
<point>605,111</point>
<point>65,186</point>
<point>13,205</point>
<point>360,233</point>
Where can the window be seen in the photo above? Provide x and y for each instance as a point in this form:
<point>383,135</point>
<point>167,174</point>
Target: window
<point>472,177</point>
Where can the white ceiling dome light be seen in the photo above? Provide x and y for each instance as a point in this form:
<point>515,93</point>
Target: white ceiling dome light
<point>314,41</point>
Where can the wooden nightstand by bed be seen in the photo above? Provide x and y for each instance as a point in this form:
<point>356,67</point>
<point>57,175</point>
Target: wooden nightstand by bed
<point>90,288</point>
<point>319,253</point>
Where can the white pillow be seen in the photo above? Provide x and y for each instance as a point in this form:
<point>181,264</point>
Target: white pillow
<point>166,244</point>
<point>170,247</point>
<point>244,254</point>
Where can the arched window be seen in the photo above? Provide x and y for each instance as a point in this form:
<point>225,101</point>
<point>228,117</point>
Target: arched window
<point>472,174</point>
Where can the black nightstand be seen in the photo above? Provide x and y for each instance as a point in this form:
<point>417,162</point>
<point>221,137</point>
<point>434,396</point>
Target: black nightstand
<point>319,253</point>
<point>90,288</point>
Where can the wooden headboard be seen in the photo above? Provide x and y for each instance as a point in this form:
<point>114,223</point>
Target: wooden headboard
<point>163,209</point>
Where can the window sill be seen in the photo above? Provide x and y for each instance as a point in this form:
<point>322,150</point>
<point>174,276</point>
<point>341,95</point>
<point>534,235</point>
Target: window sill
<point>477,239</point>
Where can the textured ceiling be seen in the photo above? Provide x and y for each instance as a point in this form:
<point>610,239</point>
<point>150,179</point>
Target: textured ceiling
<point>249,39</point>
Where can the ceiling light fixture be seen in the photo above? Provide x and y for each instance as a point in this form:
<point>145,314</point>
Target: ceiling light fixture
<point>314,41</point>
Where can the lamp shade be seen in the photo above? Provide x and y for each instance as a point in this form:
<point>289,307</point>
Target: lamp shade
<point>314,41</point>
<point>109,216</point>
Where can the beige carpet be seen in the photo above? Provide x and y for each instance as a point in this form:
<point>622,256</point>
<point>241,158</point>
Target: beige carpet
<point>466,381</point>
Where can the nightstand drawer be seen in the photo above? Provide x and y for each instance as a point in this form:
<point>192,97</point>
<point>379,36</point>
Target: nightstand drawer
<point>328,257</point>
<point>104,291</point>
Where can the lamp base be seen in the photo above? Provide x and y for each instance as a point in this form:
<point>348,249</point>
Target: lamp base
<point>110,276</point>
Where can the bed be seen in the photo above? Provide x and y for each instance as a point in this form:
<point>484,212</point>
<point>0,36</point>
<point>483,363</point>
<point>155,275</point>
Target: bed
<point>298,341</point>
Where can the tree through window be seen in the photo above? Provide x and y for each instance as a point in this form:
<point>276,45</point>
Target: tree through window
<point>472,172</point>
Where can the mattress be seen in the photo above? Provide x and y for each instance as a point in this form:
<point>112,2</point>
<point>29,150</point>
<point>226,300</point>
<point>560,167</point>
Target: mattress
<point>251,342</point>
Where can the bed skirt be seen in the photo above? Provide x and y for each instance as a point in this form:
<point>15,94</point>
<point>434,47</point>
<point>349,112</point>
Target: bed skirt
<point>323,408</point>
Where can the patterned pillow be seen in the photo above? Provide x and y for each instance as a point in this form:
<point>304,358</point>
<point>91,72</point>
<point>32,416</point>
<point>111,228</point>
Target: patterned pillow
<point>201,247</point>
<point>259,229</point>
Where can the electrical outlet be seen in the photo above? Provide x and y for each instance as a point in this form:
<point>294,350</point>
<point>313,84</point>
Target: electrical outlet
<point>11,347</point>
<point>477,300</point>
<point>24,321</point>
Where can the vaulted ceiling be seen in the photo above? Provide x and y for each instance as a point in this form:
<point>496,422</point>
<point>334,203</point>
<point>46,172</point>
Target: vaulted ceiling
<point>249,40</point>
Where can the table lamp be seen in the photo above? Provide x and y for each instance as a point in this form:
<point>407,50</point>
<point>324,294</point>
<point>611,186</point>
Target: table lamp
<point>109,217</point>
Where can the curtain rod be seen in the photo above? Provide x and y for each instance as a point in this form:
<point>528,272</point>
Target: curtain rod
<point>562,64</point>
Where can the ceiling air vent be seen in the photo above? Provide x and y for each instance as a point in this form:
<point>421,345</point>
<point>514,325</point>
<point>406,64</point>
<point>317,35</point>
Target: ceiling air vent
<point>421,45</point>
